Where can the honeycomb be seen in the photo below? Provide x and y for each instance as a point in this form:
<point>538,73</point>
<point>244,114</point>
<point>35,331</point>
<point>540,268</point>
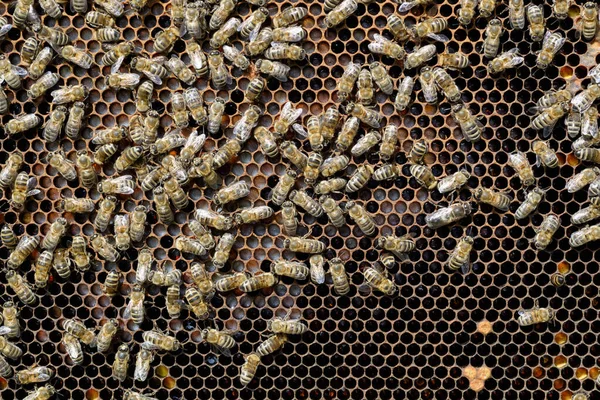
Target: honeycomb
<point>418,344</point>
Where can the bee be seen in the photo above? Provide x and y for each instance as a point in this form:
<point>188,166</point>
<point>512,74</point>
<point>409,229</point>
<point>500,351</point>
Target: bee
<point>220,341</point>
<point>105,210</point>
<point>376,279</point>
<point>317,269</point>
<point>330,4</point>
<point>165,40</point>
<point>194,21</point>
<point>54,235</point>
<point>360,216</point>
<point>135,308</point>
<point>292,269</point>
<point>64,166</point>
<point>549,117</point>
<point>161,278</point>
<point>272,344</point>
<point>232,192</point>
<point>453,61</point>
<point>197,58</point>
<point>545,155</point>
<point>155,340</point>
<point>589,123</point>
<point>560,8</point>
<point>594,190</point>
<point>366,115</point>
<point>280,325</point>
<point>396,25</point>
<point>274,69</point>
<point>12,327</point>
<point>167,143</point>
<point>347,135</point>
<point>292,153</point>
<point>23,187</point>
<point>4,103</point>
<point>333,210</point>
<point>62,263</point>
<point>536,315</point>
<point>388,142</point>
<point>366,143</point>
<point>459,258</point>
<point>104,249</point>
<point>341,285</point>
<point>345,84</point>
<point>249,368</point>
<point>586,215</point>
<point>260,43</point>
<point>420,56</point>
<point>161,204</point>
<point>453,182</point>
<point>122,238</point>
<point>424,176</point>
<point>142,365</point>
<point>79,253</point>
<point>113,7</point>
<point>288,215</point>
<point>121,363</point>
<point>26,246</point>
<point>119,185</point>
<point>108,35</point>
<point>589,20</point>
<point>289,34</point>
<point>218,71</point>
<point>152,68</point>
<point>226,152</point>
<point>486,8</point>
<point>109,135</point>
<point>214,220</point>
<point>42,85</point>
<point>386,172</point>
<point>126,81</point>
<point>42,268</point>
<point>535,16</point>
<point>192,246</point>
<point>404,93</point>
<point>251,26</point>
<point>518,161</point>
<point>225,32</point>
<point>447,215</point>
<point>255,88</point>
<point>215,115</point>
<point>78,330</point>
<point>584,100</point>
<point>516,14</point>
<point>9,173</point>
<point>552,43</point>
<point>584,235</point>
<point>222,250</point>
<point>429,28</point>
<point>446,84</point>
<point>54,37</point>
<point>8,237</point>
<point>267,141</point>
<point>289,16</point>
<point>21,287</point>
<point>427,80</point>
<point>286,118</point>
<point>22,123</point>
<point>258,282</point>
<point>180,70</point>
<point>99,19</point>
<point>304,245</point>
<point>544,233</point>
<point>498,200</point>
<point>196,302</point>
<point>417,151</point>
<point>329,123</point>
<point>386,47</point>
<point>173,301</point>
<point>366,92</point>
<point>203,167</point>
<point>41,393</point>
<point>358,180</point>
<point>77,56</point>
<point>553,97</point>
<point>69,94</point>
<point>178,11</point>
<point>340,13</point>
<point>20,12</point>
<point>138,223</point>
<point>75,120</point>
<point>491,43</point>
<point>6,370</point>
<point>220,13</point>
<point>399,246</point>
<point>506,60</point>
<point>144,266</point>
<point>34,374</point>
<point>581,395</point>
<point>253,215</point>
<point>466,13</point>
<point>180,114</point>
<point>202,280</point>
<point>226,283</point>
<point>177,195</point>
<point>131,395</point>
<point>283,187</point>
<point>381,78</point>
<point>469,124</point>
<point>301,199</point>
<point>105,336</point>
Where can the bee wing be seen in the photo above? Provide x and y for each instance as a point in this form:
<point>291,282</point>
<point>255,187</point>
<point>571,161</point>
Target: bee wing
<point>183,29</point>
<point>438,37</point>
<point>31,184</point>
<point>220,350</point>
<point>515,61</point>
<point>548,130</point>
<point>466,267</point>
<point>299,129</point>
<point>254,33</point>
<point>406,6</point>
<point>4,30</point>
<point>19,70</point>
<point>558,45</point>
<point>115,67</point>
<point>403,257</point>
<point>4,330</point>
<point>365,289</point>
<point>149,346</point>
<point>380,38</point>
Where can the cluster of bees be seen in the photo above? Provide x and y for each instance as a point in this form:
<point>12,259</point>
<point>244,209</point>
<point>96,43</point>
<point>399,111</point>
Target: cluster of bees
<point>164,163</point>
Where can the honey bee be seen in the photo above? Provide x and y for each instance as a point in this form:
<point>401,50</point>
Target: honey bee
<point>589,123</point>
<point>329,123</point>
<point>21,287</point>
<point>79,253</point>
<point>428,87</point>
<point>175,193</point>
<point>386,172</point>
<point>225,32</point>
<point>397,27</point>
<point>64,166</point>
<point>42,85</point>
<point>144,266</point>
<point>135,308</point>
<point>267,141</point>
<point>536,315</point>
<point>99,19</point>
<point>70,94</point>
<point>41,393</point>
<point>105,336</point>
<point>255,88</point>
<point>399,246</point>
<point>253,215</point>
<point>453,61</point>
<point>586,215</point>
<point>516,14</point>
<point>34,374</point>
<point>179,111</point>
<point>226,152</point>
<point>251,26</point>
<point>87,177</point>
<point>106,209</point>
<point>62,263</point>
<point>167,143</point>
<point>11,74</point>
<point>104,249</point>
<point>113,7</point>
<point>460,256</point>
<point>226,283</point>
<point>376,279</point>
<point>180,70</point>
<point>152,68</point>
<point>203,167</point>
<point>194,21</point>
<point>20,12</point>
<point>219,341</point>
<point>594,191</point>
<point>288,216</point>
<point>202,280</point>
<point>109,135</point>
<point>283,187</point>
<point>122,238</point>
<point>366,143</point>
<point>286,118</point>
<point>404,93</point>
<point>491,44</point>
<point>486,8</point>
<point>77,56</point>
<point>131,395</point>
<point>304,245</point>
<point>126,81</point>
<point>340,13</point>
<point>4,103</point>
<point>197,58</point>
<point>23,187</point>
<point>161,204</point>
<point>192,246</point>
<point>142,364</point>
<point>545,155</point>
<point>42,268</point>
<point>6,370</point>
<point>417,151</point>
<point>589,20</point>
<point>108,35</point>
<point>121,363</point>
<point>549,117</point>
<point>420,56</point>
<point>358,180</point>
<point>506,60</point>
<point>584,100</point>
<point>12,327</point>
<point>215,115</point>
<point>26,246</point>
<point>281,51</point>
<point>222,250</point>
<point>119,185</point>
<point>429,28</point>
<point>274,69</point>
<point>535,16</point>
<point>333,210</point>
<point>581,395</point>
<point>173,301</point>
<point>366,92</point>
<point>272,344</point>
<point>22,123</point>
<point>292,269</point>
<point>552,43</point>
<point>303,200</point>
<point>8,237</point>
<point>381,78</point>
<point>469,124</point>
<point>214,220</point>
<point>196,302</point>
<point>453,182</point>
<point>280,325</point>
<point>178,11</point>
<point>292,153</point>
<point>544,233</point>
<point>584,235</point>
<point>78,330</point>
<point>289,16</point>
<point>289,34</point>
<point>232,192</point>
<point>9,173</point>
<point>424,176</point>
<point>557,279</point>
<point>345,84</point>
<point>260,43</point>
<point>518,161</point>
<point>466,13</point>
<point>361,217</point>
<point>243,128</point>
<point>447,215</point>
<point>498,200</point>
<point>249,368</point>
<point>560,8</point>
<point>220,13</point>
<point>446,84</point>
<point>366,115</point>
<point>155,340</point>
<point>341,285</point>
<point>347,135</point>
<point>165,40</point>
<point>138,223</point>
<point>258,282</point>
